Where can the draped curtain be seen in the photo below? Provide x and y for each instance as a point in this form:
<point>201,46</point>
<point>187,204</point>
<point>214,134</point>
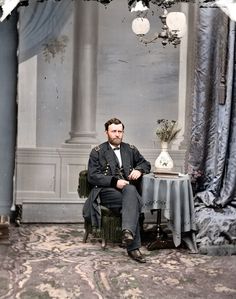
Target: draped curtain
<point>39,23</point>
<point>212,150</point>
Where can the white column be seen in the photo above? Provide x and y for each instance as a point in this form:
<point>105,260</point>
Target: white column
<point>83,122</point>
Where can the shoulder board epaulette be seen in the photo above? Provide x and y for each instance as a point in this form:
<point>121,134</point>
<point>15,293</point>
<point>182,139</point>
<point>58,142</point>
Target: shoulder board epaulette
<point>97,148</point>
<point>132,146</point>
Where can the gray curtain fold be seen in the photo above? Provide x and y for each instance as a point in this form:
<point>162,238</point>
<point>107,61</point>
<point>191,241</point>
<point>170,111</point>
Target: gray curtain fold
<point>228,188</point>
<point>8,110</point>
<point>212,150</point>
<point>213,145</point>
<point>39,23</point>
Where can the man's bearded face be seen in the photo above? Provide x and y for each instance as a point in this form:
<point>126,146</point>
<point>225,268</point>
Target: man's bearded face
<point>115,134</point>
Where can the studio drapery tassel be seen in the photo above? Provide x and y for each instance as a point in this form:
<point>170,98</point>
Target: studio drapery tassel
<point>83,188</point>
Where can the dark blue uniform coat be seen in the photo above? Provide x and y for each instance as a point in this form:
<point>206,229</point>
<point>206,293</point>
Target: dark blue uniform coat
<point>102,173</point>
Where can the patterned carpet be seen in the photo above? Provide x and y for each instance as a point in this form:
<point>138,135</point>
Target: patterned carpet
<point>50,261</point>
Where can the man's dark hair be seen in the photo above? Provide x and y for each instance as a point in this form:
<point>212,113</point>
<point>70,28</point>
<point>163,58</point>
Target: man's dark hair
<point>111,121</point>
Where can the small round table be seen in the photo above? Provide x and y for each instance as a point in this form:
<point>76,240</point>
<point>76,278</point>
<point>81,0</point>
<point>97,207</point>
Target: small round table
<point>173,195</point>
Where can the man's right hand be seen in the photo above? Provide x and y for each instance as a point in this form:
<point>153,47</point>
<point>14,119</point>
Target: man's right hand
<point>121,184</point>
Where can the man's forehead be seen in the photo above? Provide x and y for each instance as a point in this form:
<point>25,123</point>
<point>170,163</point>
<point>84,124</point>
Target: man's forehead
<point>116,127</point>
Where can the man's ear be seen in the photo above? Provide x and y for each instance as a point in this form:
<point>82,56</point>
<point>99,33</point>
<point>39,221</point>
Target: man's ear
<point>106,133</point>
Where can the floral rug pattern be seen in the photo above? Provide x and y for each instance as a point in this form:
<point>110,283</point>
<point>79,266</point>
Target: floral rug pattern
<point>51,261</point>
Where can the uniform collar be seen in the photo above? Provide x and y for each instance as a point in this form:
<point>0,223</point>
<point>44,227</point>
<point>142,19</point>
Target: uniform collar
<point>113,147</point>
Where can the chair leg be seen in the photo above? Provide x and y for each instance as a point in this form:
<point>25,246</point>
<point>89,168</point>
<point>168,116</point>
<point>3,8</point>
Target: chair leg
<point>85,237</point>
<point>87,228</point>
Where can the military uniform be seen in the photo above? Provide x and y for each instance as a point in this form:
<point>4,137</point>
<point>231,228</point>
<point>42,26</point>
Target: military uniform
<point>103,172</point>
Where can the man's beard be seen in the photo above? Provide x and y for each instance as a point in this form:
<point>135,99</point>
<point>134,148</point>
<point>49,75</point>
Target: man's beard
<point>115,141</point>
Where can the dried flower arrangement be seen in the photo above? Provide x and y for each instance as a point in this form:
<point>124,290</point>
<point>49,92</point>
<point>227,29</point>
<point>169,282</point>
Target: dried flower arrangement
<point>167,130</point>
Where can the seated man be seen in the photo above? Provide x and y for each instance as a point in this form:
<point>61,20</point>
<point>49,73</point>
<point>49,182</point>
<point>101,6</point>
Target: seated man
<point>115,168</point>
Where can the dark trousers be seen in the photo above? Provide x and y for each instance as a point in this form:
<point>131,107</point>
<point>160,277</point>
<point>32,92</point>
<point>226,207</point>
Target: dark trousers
<point>128,202</point>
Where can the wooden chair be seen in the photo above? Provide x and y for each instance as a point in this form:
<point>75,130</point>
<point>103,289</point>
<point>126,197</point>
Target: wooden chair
<point>110,230</point>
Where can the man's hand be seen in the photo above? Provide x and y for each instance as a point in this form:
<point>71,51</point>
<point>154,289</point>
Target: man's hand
<point>134,175</point>
<point>121,184</point>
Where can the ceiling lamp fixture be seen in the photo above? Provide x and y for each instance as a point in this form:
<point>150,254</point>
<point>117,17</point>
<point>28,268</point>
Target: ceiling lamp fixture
<point>140,24</point>
<point>173,29</point>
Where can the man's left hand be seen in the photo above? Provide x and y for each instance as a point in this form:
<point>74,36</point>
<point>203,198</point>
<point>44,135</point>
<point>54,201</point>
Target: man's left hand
<point>134,175</point>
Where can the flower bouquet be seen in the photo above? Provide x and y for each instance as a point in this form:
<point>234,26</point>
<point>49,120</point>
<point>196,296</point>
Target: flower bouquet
<point>167,130</point>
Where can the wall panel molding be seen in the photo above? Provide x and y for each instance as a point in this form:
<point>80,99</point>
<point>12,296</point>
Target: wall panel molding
<point>47,181</point>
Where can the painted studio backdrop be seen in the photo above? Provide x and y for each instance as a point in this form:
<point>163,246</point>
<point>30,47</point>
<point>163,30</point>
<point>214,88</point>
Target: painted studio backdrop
<point>77,69</point>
